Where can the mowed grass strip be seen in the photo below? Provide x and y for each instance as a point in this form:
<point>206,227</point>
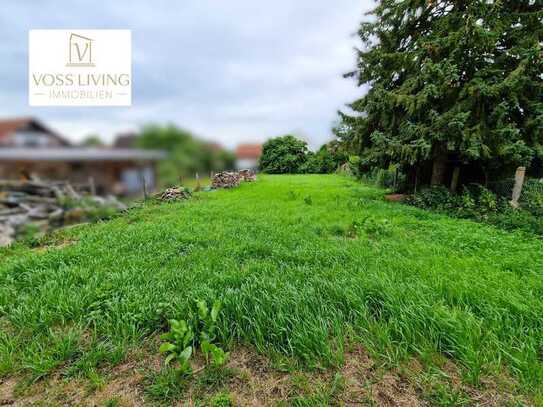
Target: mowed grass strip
<point>302,264</point>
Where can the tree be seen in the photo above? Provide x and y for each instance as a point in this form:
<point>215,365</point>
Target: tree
<point>92,140</point>
<point>325,160</point>
<point>186,154</point>
<point>451,81</point>
<point>283,155</point>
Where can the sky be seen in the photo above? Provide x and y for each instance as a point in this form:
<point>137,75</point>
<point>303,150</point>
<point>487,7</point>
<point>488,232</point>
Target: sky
<point>229,71</point>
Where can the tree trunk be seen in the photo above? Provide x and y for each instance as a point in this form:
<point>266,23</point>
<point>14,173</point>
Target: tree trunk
<point>454,180</point>
<point>439,167</point>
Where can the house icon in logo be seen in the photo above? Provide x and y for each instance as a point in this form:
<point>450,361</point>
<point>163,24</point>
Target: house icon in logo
<point>80,51</point>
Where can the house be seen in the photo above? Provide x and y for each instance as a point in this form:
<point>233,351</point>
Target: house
<point>28,147</point>
<point>126,140</point>
<point>247,156</point>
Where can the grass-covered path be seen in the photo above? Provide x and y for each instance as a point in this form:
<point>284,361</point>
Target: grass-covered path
<point>303,265</point>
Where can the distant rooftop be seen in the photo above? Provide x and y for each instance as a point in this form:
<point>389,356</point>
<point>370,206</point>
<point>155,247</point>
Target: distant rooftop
<point>126,140</point>
<point>77,154</point>
<point>247,151</point>
<point>9,126</point>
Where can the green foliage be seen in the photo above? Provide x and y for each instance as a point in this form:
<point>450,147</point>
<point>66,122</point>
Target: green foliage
<point>283,155</point>
<point>454,79</point>
<point>325,161</point>
<point>185,336</point>
<point>221,400</point>
<point>214,378</point>
<point>463,289</point>
<point>372,227</point>
<point>113,402</point>
<point>186,155</point>
<point>289,155</point>
<point>532,197</point>
<point>92,140</point>
<point>478,203</point>
<point>166,385</point>
<point>323,395</point>
<point>179,345</point>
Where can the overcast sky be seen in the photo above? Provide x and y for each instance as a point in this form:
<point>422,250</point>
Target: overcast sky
<point>231,71</point>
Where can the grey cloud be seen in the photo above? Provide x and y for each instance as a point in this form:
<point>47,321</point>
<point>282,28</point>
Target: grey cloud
<point>229,70</point>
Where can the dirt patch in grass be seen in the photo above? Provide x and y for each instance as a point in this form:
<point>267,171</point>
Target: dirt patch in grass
<point>250,379</point>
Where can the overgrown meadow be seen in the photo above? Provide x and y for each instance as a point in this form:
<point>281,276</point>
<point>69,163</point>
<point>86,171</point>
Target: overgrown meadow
<point>303,265</point>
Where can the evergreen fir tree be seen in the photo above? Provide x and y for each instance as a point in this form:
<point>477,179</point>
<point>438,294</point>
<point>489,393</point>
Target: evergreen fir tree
<point>450,82</point>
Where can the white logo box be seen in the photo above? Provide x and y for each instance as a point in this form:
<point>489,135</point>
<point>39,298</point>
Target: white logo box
<point>80,67</point>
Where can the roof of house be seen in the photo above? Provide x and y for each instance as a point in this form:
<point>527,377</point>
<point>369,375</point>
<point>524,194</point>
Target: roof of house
<point>76,154</point>
<point>10,126</point>
<point>126,140</point>
<point>244,151</point>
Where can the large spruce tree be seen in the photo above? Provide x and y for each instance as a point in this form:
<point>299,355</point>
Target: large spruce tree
<point>451,82</point>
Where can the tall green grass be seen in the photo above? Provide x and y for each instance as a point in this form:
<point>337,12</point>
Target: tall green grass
<point>301,263</point>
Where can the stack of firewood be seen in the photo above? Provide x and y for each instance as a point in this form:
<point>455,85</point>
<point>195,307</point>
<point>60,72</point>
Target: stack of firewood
<point>174,194</point>
<point>247,175</point>
<point>43,206</point>
<point>226,179</point>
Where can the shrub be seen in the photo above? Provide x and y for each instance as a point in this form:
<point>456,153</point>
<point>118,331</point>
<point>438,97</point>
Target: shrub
<point>478,203</point>
<point>325,161</point>
<point>532,197</point>
<point>283,155</point>
<point>354,165</point>
<point>391,177</point>
<point>185,335</point>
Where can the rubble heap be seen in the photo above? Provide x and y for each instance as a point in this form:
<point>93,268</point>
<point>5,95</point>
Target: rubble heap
<point>226,179</point>
<point>175,194</point>
<point>247,175</point>
<point>44,206</point>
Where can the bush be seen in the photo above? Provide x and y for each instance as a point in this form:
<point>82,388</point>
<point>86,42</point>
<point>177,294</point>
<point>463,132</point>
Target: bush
<point>532,196</point>
<point>391,177</point>
<point>478,203</point>
<point>325,161</point>
<point>354,165</point>
<point>283,155</point>
<point>186,155</point>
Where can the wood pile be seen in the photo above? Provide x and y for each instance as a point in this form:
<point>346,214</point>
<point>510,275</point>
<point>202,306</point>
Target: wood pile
<point>247,175</point>
<point>226,179</point>
<point>43,206</point>
<point>175,194</point>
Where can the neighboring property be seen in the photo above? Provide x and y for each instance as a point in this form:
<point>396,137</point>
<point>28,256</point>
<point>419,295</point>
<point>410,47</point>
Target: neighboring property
<point>126,140</point>
<point>247,156</point>
<point>27,147</point>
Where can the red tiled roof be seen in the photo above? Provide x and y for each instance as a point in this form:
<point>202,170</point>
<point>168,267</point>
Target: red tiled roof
<point>9,126</point>
<point>249,151</point>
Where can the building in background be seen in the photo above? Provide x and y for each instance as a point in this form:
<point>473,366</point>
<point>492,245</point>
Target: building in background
<point>28,147</point>
<point>126,140</point>
<point>247,156</point>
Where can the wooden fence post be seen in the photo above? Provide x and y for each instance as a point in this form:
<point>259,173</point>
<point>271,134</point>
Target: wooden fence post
<point>92,186</point>
<point>517,188</point>
<point>144,185</point>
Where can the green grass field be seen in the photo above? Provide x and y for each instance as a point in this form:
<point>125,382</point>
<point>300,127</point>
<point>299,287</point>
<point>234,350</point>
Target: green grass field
<point>307,267</point>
